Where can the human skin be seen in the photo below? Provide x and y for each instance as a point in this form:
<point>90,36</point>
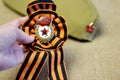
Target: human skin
<point>11,54</point>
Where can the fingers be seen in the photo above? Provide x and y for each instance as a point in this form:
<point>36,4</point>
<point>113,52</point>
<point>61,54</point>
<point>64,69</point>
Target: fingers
<point>17,53</point>
<point>24,48</point>
<point>21,21</point>
<point>23,37</point>
<point>11,57</point>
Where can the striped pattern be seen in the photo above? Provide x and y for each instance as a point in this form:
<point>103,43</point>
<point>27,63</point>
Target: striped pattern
<point>60,33</point>
<point>32,65</point>
<point>57,69</point>
<point>40,52</point>
<point>61,28</point>
<point>34,6</point>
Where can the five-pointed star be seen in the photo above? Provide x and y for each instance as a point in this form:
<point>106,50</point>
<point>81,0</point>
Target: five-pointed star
<point>44,31</point>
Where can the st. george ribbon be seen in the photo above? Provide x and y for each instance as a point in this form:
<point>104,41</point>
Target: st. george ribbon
<point>50,32</point>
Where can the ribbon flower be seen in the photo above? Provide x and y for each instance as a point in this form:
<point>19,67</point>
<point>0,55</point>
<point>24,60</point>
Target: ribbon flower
<point>50,32</point>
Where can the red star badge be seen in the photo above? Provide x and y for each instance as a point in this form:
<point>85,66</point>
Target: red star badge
<point>90,28</point>
<point>44,31</point>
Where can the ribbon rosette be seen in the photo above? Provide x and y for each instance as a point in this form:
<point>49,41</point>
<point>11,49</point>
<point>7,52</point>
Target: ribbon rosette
<point>50,32</point>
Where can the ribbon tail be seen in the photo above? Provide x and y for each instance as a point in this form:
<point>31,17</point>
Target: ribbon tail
<point>32,66</point>
<point>57,68</point>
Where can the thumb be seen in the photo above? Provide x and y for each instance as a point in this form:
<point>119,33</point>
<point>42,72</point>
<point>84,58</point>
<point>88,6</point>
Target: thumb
<point>23,37</point>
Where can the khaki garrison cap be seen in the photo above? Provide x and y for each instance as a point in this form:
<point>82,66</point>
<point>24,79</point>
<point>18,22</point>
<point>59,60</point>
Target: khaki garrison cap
<point>81,16</point>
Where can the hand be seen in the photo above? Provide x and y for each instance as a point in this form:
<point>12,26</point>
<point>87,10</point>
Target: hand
<point>11,53</point>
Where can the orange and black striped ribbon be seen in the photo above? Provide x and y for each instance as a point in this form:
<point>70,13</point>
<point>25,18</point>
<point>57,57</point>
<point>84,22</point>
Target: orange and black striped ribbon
<point>39,52</point>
